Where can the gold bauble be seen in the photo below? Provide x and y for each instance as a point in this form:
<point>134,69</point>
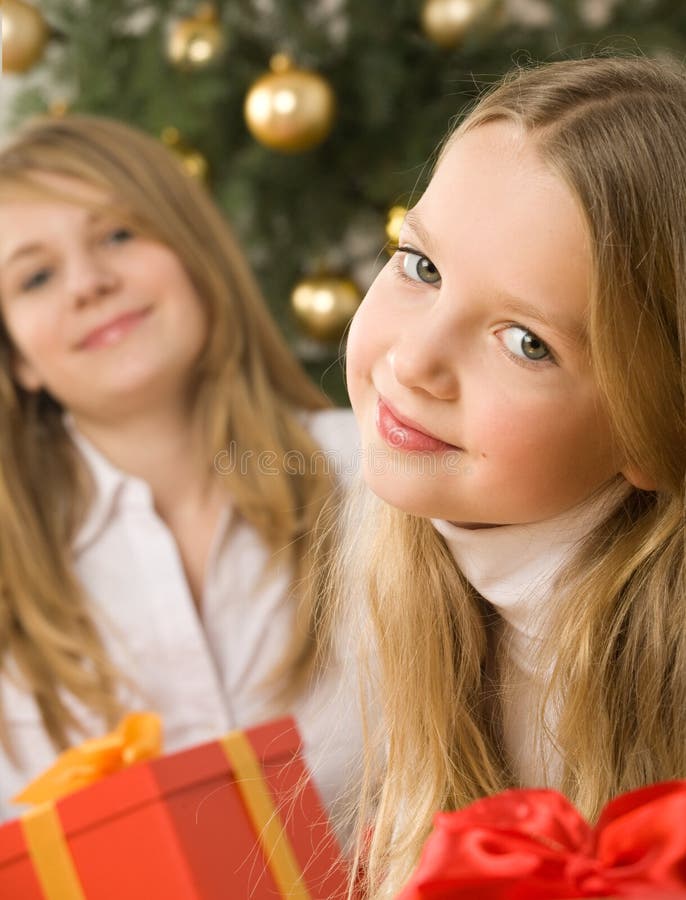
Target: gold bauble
<point>24,35</point>
<point>290,109</point>
<point>446,22</point>
<point>394,222</point>
<point>58,109</point>
<point>324,304</point>
<point>192,162</point>
<point>198,41</point>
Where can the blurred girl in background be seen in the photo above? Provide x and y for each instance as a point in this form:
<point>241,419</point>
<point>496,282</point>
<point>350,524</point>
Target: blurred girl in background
<point>161,466</point>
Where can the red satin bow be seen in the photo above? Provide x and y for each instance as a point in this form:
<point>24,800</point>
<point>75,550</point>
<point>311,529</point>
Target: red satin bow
<point>533,845</point>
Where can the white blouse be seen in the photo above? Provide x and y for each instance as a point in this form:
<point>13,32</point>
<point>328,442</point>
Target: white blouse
<point>200,671</point>
<point>515,568</point>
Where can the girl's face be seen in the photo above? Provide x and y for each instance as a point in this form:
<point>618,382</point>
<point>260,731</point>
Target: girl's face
<point>106,320</point>
<point>467,368</point>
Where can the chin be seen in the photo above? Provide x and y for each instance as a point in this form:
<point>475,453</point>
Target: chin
<point>420,484</point>
<point>408,495</point>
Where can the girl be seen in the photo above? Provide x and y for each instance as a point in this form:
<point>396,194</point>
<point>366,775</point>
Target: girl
<point>518,374</point>
<point>163,459</point>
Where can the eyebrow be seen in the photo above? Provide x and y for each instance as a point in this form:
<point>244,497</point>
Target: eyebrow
<point>413,221</point>
<point>571,331</point>
<point>36,246</point>
<point>23,250</point>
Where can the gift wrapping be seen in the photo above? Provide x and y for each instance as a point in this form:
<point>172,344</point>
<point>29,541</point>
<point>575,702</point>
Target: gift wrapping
<point>234,818</point>
<point>532,844</point>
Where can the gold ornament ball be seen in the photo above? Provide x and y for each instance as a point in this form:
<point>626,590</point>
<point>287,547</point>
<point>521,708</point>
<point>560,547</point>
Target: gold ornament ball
<point>197,41</point>
<point>446,22</point>
<point>290,109</point>
<point>192,162</point>
<point>324,304</point>
<point>394,222</point>
<point>24,35</point>
<point>58,109</point>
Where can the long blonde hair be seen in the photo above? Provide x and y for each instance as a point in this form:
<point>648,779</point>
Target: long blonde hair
<point>248,390</point>
<point>612,130</point>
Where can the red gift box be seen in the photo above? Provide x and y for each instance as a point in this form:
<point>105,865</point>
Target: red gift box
<point>234,818</point>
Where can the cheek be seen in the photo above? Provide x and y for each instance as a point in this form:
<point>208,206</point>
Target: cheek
<point>356,374</point>
<point>33,340</point>
<point>363,346</point>
<point>503,416</point>
<point>156,268</point>
<point>504,436</point>
<point>189,310</point>
<point>31,334</point>
<point>538,438</point>
<point>196,310</point>
<point>355,346</point>
<point>369,334</point>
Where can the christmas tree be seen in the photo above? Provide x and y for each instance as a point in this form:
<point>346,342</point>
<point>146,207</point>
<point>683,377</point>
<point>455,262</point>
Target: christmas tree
<point>309,193</point>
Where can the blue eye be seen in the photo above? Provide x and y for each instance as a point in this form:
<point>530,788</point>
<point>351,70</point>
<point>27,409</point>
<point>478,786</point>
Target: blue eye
<point>419,268</point>
<point>36,280</point>
<point>524,344</point>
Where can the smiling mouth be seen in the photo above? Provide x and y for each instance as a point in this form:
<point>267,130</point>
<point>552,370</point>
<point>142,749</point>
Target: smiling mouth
<point>114,330</point>
<point>401,435</point>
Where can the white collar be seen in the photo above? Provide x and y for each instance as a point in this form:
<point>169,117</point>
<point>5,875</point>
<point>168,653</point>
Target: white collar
<point>515,566</point>
<point>111,487</point>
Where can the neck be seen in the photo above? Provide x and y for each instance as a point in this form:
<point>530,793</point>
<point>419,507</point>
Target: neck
<point>162,447</point>
<point>516,566</point>
<point>518,570</point>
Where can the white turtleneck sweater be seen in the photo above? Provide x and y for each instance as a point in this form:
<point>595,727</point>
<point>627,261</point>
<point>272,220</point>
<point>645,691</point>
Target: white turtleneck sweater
<point>515,568</point>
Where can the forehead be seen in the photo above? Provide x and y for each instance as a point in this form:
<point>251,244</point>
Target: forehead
<point>47,187</point>
<point>496,214</point>
<point>500,164</point>
<point>503,227</point>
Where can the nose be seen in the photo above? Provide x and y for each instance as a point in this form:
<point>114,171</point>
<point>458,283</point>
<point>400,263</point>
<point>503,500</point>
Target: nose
<point>423,359</point>
<point>89,279</point>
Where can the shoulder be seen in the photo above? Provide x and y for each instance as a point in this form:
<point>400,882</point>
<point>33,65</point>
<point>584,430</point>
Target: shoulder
<point>336,432</point>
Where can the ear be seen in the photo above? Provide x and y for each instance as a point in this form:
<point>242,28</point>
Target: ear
<point>638,478</point>
<point>25,374</point>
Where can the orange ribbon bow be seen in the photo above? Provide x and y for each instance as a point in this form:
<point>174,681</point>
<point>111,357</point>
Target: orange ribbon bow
<point>137,737</point>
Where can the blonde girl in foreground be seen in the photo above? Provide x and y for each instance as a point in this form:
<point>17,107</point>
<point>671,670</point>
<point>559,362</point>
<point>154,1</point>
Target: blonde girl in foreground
<point>163,459</point>
<point>518,374</point>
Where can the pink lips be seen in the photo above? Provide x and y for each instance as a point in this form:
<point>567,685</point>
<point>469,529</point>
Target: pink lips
<point>113,331</point>
<point>401,435</point>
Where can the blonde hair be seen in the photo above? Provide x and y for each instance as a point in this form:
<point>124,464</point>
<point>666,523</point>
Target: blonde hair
<point>611,129</point>
<point>248,390</point>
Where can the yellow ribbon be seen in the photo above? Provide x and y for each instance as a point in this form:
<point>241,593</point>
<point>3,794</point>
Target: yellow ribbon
<point>50,854</point>
<point>137,737</point>
<point>268,827</point>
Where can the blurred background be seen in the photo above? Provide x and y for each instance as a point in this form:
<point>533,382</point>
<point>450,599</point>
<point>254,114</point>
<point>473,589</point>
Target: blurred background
<point>313,123</point>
